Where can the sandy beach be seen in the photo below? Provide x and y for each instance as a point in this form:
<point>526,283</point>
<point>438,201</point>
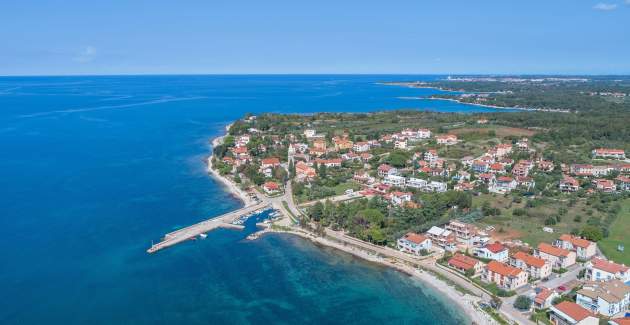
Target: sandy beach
<point>231,186</point>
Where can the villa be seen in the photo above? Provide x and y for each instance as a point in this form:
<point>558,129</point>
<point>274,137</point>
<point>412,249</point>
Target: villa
<point>569,184</point>
<point>494,251</point>
<point>448,139</point>
<point>413,243</point>
<point>271,187</point>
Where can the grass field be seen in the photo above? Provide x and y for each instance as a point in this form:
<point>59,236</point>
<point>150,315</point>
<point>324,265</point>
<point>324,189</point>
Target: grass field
<point>619,234</point>
<point>528,228</point>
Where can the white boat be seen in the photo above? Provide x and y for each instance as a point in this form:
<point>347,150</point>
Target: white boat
<point>203,236</point>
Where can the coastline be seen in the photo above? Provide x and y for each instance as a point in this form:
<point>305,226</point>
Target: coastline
<point>227,183</point>
<point>499,107</point>
<point>464,302</point>
<point>412,85</point>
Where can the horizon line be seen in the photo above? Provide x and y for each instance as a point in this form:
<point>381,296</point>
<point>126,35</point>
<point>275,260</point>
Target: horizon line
<point>316,74</point>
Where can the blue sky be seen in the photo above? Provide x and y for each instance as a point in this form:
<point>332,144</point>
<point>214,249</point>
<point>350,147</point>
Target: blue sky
<point>345,36</point>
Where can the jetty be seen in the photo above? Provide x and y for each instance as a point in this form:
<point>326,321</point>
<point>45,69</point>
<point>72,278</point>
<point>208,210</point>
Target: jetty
<point>224,221</point>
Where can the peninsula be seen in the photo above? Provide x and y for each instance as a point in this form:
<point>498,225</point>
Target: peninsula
<point>510,215</point>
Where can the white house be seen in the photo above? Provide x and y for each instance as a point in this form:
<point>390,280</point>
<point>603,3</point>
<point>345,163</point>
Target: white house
<point>394,180</point>
<point>413,243</point>
<point>443,238</point>
<point>416,182</point>
<point>607,298</point>
<point>494,251</point>
<point>601,270</point>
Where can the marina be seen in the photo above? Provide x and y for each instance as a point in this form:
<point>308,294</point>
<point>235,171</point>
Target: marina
<point>232,220</point>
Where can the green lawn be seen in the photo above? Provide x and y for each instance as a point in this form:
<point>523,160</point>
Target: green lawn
<point>528,228</point>
<point>341,188</point>
<point>619,234</point>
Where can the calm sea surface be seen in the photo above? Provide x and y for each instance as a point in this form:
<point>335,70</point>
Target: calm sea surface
<point>94,168</point>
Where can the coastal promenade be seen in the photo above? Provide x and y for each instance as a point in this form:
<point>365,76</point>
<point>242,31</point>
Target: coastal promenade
<point>223,221</point>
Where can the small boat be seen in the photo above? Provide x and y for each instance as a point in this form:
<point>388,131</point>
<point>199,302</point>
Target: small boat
<point>203,236</point>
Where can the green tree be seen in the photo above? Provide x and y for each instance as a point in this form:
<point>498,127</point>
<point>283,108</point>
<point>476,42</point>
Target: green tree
<point>592,233</point>
<point>523,303</point>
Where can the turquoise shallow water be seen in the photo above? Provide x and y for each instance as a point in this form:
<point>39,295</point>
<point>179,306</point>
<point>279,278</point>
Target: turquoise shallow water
<point>94,168</point>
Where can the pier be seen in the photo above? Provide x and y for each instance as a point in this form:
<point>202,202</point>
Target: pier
<point>223,221</point>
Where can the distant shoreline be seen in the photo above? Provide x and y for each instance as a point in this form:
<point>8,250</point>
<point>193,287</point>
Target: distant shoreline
<point>413,85</point>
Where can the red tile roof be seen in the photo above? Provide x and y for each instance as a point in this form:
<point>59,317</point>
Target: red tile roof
<point>543,295</point>
<point>573,310</point>
<point>576,241</point>
<point>495,247</point>
<point>552,250</point>
<point>529,259</point>
<point>271,161</point>
<point>503,269</point>
<point>621,321</point>
<point>415,238</point>
<point>463,262</point>
<point>608,266</point>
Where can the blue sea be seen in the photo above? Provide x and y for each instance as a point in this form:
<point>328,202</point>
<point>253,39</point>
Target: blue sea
<point>93,169</point>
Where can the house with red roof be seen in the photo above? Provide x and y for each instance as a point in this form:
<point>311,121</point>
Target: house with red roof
<point>570,313</point>
<point>544,297</point>
<point>602,270</point>
<point>584,249</point>
<point>604,185</point>
<point>558,257</point>
<point>384,170</point>
<point>398,198</point>
<point>413,243</point>
<point>494,251</point>
<point>271,187</point>
<point>271,162</point>
<point>503,184</point>
<point>569,184</point>
<point>504,276</point>
<point>447,139</point>
<point>463,263</point>
<point>536,267</point>
<point>609,153</point>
